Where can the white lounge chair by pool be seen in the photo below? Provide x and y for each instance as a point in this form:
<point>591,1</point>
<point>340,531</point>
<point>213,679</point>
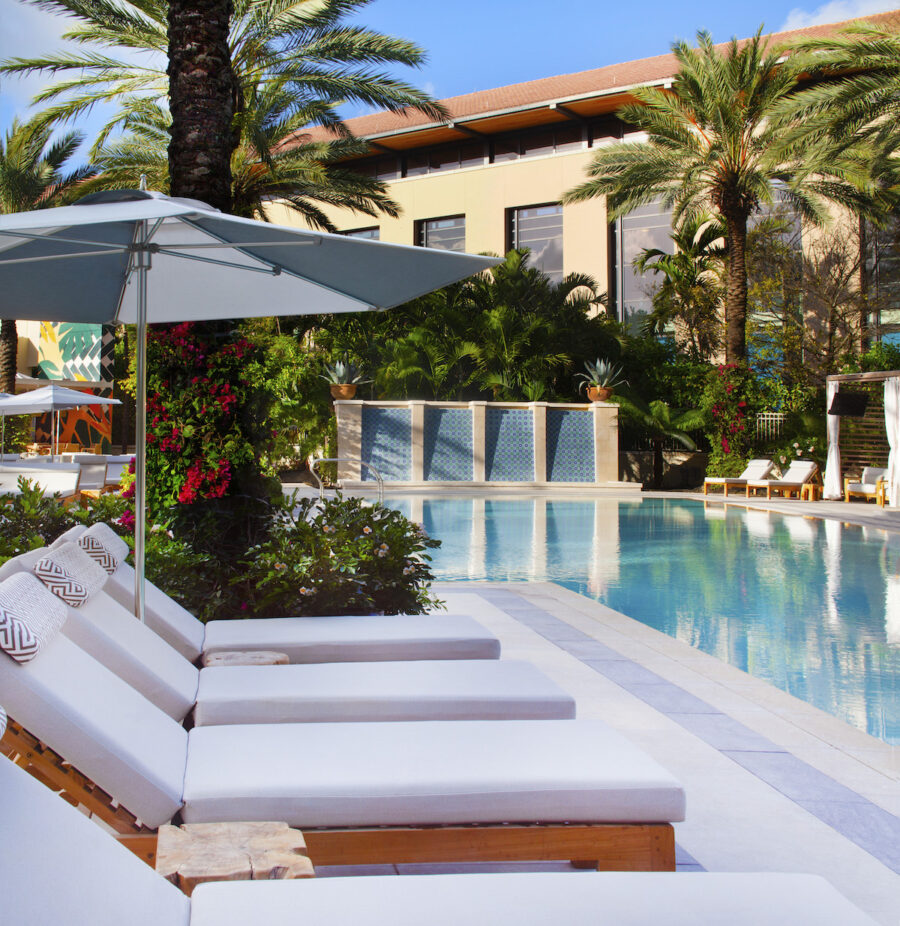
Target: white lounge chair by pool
<point>57,866</point>
<point>481,689</point>
<point>799,474</point>
<point>873,483</point>
<point>368,638</point>
<point>756,469</point>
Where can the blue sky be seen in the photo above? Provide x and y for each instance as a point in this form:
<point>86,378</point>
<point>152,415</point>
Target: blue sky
<point>479,44</point>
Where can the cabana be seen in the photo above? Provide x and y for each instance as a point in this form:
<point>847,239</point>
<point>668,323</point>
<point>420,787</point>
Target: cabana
<point>838,407</point>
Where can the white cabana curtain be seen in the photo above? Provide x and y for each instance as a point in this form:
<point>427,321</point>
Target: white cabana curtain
<point>833,487</point>
<point>892,427</point>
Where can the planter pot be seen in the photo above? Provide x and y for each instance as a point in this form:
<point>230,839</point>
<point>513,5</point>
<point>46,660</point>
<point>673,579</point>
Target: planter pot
<point>343,390</point>
<point>599,393</point>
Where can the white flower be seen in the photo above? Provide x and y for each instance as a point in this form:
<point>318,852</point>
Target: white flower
<point>280,567</point>
<point>796,444</point>
<point>367,529</point>
<point>307,591</point>
<point>327,529</point>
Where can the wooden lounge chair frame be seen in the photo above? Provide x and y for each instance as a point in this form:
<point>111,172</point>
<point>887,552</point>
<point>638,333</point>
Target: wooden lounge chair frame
<point>788,489</point>
<point>880,493</point>
<point>605,846</point>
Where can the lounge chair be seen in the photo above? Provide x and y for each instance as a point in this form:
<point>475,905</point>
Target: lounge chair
<point>364,792</point>
<point>480,689</point>
<point>53,478</point>
<point>368,638</point>
<point>57,866</point>
<point>756,469</point>
<point>799,474</point>
<point>873,483</point>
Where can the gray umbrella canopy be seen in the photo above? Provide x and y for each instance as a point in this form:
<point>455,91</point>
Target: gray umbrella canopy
<point>141,257</point>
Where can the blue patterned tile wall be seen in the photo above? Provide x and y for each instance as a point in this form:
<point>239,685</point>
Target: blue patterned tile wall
<point>448,444</point>
<point>387,443</point>
<point>509,445</point>
<point>570,445</point>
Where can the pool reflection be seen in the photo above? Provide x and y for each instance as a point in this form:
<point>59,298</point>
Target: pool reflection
<point>810,606</point>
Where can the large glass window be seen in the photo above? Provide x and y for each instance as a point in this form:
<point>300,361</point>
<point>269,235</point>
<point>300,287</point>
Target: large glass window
<point>447,234</point>
<point>647,226</point>
<point>374,233</point>
<point>540,229</point>
<point>883,280</point>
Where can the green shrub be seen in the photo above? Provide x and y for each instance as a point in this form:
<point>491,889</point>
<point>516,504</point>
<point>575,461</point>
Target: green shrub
<point>29,521</point>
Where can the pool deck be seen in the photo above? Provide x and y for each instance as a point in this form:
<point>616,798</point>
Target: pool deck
<point>772,783</point>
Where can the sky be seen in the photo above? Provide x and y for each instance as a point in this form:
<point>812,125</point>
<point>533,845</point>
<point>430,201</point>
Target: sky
<point>479,44</point>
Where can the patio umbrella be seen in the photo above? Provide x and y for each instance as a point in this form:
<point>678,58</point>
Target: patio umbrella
<point>136,256</point>
<point>50,398</point>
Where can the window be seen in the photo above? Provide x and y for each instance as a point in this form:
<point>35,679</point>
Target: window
<point>647,226</point>
<point>540,229</point>
<point>551,140</point>
<point>374,233</point>
<point>447,234</point>
<point>883,280</point>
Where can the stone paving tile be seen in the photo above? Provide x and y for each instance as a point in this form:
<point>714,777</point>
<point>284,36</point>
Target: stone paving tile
<point>724,733</point>
<point>870,827</point>
<point>793,777</point>
<point>626,673</point>
<point>670,699</point>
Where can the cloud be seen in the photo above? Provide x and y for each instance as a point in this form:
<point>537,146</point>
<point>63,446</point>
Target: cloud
<point>835,11</point>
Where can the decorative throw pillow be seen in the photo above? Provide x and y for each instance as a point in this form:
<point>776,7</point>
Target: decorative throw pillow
<point>70,574</point>
<point>110,539</point>
<point>2,722</point>
<point>98,553</point>
<point>29,616</point>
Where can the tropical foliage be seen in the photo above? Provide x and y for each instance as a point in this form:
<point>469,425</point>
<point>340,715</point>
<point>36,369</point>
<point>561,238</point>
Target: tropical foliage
<point>715,144</point>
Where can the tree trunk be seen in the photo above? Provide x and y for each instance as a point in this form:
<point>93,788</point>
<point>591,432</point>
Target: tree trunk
<point>657,463</point>
<point>736,288</point>
<point>9,349</point>
<point>201,98</point>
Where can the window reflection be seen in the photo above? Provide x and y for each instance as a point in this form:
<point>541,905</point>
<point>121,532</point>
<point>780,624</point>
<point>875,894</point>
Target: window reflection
<point>446,234</point>
<point>540,229</point>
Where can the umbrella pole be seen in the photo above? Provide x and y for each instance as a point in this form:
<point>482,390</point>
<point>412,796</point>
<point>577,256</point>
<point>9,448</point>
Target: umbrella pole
<point>142,259</point>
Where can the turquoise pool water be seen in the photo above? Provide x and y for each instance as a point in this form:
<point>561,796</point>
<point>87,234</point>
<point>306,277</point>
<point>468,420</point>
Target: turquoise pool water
<point>812,606</point>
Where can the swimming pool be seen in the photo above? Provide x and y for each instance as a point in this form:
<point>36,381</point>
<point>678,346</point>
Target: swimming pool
<point>809,605</point>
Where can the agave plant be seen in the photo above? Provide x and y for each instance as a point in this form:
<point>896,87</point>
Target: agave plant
<point>343,372</point>
<point>602,373</point>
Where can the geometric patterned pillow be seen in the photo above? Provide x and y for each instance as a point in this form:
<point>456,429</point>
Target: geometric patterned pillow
<point>68,571</point>
<point>61,582</point>
<point>110,539</point>
<point>97,552</point>
<point>30,617</point>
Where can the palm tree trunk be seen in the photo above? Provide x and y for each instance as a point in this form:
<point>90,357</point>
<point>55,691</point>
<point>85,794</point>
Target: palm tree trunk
<point>736,288</point>
<point>9,348</point>
<point>201,98</point>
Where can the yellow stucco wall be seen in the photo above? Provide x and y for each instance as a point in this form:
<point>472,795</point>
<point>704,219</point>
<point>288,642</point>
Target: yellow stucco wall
<point>483,194</point>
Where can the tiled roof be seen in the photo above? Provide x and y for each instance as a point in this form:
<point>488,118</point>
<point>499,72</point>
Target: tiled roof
<point>549,89</point>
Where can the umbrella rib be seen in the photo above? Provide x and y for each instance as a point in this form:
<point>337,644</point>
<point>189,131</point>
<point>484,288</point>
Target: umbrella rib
<point>270,269</point>
<point>33,260</point>
<point>101,246</point>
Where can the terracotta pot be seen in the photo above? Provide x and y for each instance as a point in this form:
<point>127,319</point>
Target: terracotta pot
<point>343,390</point>
<point>599,393</point>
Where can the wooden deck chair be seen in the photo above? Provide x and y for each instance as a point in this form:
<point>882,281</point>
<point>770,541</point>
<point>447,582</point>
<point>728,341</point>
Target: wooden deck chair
<point>480,689</point>
<point>350,638</point>
<point>362,792</point>
<point>873,483</point>
<point>58,866</point>
<point>799,474</point>
<point>756,469</point>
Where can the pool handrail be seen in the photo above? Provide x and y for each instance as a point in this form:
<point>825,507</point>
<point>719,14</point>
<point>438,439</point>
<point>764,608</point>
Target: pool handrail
<point>378,479</point>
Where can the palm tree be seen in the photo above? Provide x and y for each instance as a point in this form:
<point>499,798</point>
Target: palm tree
<point>660,422</point>
<point>32,177</point>
<point>304,44</point>
<point>300,174</point>
<point>865,102</point>
<point>714,145</point>
<point>691,290</point>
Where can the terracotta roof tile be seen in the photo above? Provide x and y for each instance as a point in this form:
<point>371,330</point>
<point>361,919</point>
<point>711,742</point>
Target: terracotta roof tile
<point>548,89</point>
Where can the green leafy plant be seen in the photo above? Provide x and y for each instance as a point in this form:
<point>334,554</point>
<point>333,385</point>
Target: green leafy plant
<point>342,372</point>
<point>337,556</point>
<point>603,374</point>
<point>29,520</point>
<point>729,401</point>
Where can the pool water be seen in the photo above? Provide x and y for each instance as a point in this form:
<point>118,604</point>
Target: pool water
<point>809,605</point>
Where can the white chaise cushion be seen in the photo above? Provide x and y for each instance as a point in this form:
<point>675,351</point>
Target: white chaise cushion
<point>485,689</point>
<point>165,617</point>
<point>69,536</point>
<point>116,639</point>
<point>59,867</point>
<point>370,774</point>
<point>357,639</point>
<point>531,899</point>
<point>30,617</point>
<point>102,726</point>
